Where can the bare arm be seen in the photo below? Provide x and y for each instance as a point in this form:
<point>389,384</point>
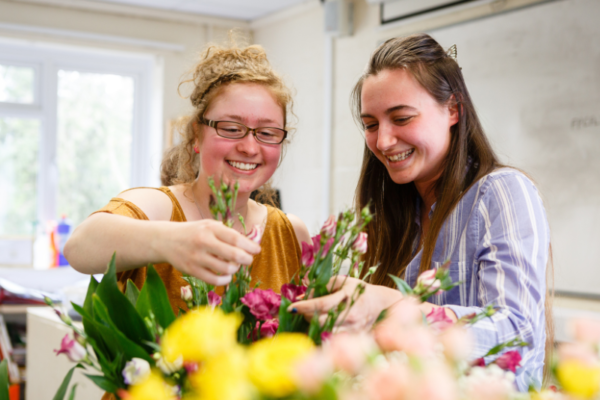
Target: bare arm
<point>300,229</point>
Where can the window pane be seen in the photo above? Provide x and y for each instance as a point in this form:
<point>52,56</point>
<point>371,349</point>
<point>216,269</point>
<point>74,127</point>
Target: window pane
<point>16,84</point>
<point>95,113</point>
<point>19,143</point>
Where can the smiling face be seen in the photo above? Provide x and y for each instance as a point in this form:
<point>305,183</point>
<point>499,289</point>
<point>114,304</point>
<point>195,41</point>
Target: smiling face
<point>405,127</point>
<point>246,160</point>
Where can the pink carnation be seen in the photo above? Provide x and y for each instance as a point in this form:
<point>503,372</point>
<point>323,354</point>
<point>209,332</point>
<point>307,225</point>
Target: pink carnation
<point>438,320</point>
<point>291,291</point>
<point>263,304</point>
<point>509,361</point>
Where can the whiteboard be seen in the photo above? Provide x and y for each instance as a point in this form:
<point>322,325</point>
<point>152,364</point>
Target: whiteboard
<point>534,76</point>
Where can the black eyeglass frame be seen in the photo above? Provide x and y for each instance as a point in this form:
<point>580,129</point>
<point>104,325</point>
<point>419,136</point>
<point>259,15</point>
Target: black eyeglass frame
<point>213,124</point>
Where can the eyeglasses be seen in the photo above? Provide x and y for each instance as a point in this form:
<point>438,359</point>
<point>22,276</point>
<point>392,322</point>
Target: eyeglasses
<point>235,130</point>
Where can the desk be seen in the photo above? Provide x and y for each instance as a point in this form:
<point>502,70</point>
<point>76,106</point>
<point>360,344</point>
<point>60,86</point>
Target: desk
<point>46,371</point>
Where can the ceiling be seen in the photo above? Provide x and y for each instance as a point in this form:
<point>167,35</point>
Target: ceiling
<point>237,9</point>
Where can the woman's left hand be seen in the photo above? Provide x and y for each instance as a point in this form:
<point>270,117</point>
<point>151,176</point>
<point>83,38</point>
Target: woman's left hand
<point>363,313</point>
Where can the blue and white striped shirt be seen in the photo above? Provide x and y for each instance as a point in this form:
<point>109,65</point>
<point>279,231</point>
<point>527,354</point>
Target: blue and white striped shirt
<point>497,239</point>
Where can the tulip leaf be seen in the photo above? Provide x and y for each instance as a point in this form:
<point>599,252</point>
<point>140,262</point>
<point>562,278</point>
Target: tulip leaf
<point>132,292</point>
<point>323,273</point>
<point>110,331</point>
<point>72,393</point>
<point>87,304</point>
<point>401,284</point>
<point>285,318</point>
<point>94,338</point>
<point>62,390</point>
<point>121,311</point>
<point>159,300</point>
<point>230,298</point>
<point>103,383</point>
<point>4,382</point>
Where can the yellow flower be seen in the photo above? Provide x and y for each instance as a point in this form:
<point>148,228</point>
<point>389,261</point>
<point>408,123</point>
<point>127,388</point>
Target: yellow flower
<point>579,379</point>
<point>151,388</point>
<point>273,360</point>
<point>223,377</point>
<point>200,334</point>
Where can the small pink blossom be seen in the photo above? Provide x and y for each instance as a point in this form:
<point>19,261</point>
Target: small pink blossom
<point>328,229</point>
<point>360,243</point>
<point>213,299</point>
<point>325,336</point>
<point>438,320</point>
<point>291,291</point>
<point>186,293</point>
<point>478,362</point>
<point>73,350</point>
<point>263,304</point>
<point>308,254</point>
<point>509,361</point>
<point>190,366</point>
<point>316,243</point>
<point>256,234</point>
<point>429,282</point>
<point>326,247</point>
<point>268,329</point>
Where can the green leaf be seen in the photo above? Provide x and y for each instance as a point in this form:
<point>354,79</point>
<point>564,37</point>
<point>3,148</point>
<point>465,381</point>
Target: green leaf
<point>159,300</point>
<point>103,383</point>
<point>72,394</point>
<point>230,299</point>
<point>4,383</point>
<point>323,273</point>
<point>62,390</point>
<point>87,304</point>
<point>94,337</point>
<point>132,292</point>
<point>285,318</point>
<point>402,286</point>
<point>121,311</point>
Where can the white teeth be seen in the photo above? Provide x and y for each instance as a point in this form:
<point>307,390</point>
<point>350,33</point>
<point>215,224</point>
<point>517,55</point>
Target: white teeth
<point>243,166</point>
<point>401,156</point>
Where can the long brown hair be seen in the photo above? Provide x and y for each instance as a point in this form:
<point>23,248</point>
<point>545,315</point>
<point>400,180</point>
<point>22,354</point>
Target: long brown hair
<point>219,66</point>
<point>393,231</point>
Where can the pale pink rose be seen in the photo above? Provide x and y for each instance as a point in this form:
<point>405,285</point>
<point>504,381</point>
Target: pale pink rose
<point>312,372</point>
<point>263,304</point>
<point>577,351</point>
<point>428,281</point>
<point>415,340</point>
<point>186,293</point>
<point>586,330</point>
<point>433,382</point>
<point>360,243</point>
<point>328,229</point>
<point>438,320</point>
<point>73,350</point>
<point>349,351</point>
<point>388,383</point>
<point>308,254</point>
<point>509,361</point>
<point>326,247</point>
<point>256,234</point>
<point>291,291</point>
<point>213,299</point>
<point>457,342</point>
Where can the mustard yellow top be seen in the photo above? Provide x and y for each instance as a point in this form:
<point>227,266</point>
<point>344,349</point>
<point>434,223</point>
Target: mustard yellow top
<point>276,264</point>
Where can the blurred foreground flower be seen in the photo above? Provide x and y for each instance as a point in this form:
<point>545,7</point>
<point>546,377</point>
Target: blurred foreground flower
<point>153,387</point>
<point>135,371</point>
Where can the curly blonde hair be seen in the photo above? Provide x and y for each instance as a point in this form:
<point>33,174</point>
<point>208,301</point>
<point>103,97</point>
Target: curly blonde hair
<point>218,67</point>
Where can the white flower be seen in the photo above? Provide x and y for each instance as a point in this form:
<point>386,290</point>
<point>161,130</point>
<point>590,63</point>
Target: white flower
<point>136,371</point>
<point>168,368</point>
<point>186,293</point>
<point>428,281</point>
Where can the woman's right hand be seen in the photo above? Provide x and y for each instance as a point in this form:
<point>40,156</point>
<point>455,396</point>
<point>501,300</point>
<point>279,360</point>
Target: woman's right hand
<point>205,249</point>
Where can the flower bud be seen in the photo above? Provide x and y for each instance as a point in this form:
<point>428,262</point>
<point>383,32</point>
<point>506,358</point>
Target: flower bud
<point>213,299</point>
<point>328,229</point>
<point>360,243</point>
<point>428,281</point>
<point>186,293</point>
<point>256,234</point>
<point>135,371</point>
<point>73,350</point>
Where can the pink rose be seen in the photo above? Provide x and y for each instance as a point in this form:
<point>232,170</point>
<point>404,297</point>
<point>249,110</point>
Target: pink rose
<point>308,254</point>
<point>186,293</point>
<point>213,299</point>
<point>328,229</point>
<point>438,320</point>
<point>388,383</point>
<point>263,304</point>
<point>73,350</point>
<point>326,248</point>
<point>313,371</point>
<point>291,291</point>
<point>509,361</point>
<point>349,352</point>
<point>256,234</point>
<point>360,243</point>
<point>429,282</point>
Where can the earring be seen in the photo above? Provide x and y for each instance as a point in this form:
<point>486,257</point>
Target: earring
<point>196,150</point>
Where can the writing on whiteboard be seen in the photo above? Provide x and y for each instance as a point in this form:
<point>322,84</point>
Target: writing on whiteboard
<point>584,122</point>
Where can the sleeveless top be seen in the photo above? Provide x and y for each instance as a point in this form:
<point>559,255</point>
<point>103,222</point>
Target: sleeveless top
<point>276,264</point>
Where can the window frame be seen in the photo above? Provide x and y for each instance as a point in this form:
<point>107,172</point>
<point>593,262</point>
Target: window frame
<point>47,60</point>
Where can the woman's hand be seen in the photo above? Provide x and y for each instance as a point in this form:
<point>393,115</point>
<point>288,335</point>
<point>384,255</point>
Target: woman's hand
<point>363,313</point>
<point>205,249</point>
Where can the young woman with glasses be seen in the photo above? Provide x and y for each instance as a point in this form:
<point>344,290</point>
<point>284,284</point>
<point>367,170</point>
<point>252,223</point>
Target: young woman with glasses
<point>236,134</point>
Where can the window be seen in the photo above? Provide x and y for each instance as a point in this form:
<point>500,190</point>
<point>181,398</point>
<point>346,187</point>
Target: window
<point>76,128</point>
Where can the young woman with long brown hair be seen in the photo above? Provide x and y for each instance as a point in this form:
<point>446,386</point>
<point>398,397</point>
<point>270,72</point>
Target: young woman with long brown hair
<point>438,192</point>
